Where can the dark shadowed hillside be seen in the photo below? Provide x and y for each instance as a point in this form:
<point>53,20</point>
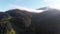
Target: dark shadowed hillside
<point>18,21</point>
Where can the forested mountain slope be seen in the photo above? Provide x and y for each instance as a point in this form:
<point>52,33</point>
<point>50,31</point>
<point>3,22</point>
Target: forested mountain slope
<point>18,21</point>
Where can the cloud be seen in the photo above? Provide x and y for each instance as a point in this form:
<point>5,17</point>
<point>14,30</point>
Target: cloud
<point>55,6</point>
<point>52,1</point>
<point>48,0</point>
<point>12,6</point>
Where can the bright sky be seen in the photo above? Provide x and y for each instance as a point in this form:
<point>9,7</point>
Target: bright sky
<point>32,4</point>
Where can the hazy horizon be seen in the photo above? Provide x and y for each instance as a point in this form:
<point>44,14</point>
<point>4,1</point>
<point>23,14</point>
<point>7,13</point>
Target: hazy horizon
<point>31,4</point>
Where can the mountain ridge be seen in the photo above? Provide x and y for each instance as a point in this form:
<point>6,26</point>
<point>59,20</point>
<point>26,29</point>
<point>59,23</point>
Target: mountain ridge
<point>24,22</point>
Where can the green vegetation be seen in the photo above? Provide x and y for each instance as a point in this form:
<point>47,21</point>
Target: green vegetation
<point>12,31</point>
<point>14,22</point>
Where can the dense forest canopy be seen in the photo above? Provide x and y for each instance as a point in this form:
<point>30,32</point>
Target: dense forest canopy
<point>17,21</point>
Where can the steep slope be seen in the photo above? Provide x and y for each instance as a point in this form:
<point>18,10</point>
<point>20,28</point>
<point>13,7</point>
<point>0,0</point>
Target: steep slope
<point>24,22</point>
<point>20,20</point>
<point>5,24</point>
<point>48,22</point>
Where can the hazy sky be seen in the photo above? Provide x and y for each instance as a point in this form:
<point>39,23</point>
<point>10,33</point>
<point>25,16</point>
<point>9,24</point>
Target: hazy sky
<point>32,4</point>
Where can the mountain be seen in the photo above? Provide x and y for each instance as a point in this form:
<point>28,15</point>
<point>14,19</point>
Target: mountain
<point>47,8</point>
<point>43,8</point>
<point>47,22</point>
<point>16,21</point>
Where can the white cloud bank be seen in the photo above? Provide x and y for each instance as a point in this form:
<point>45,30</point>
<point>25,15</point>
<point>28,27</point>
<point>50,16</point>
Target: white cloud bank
<point>55,6</point>
<point>11,6</point>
